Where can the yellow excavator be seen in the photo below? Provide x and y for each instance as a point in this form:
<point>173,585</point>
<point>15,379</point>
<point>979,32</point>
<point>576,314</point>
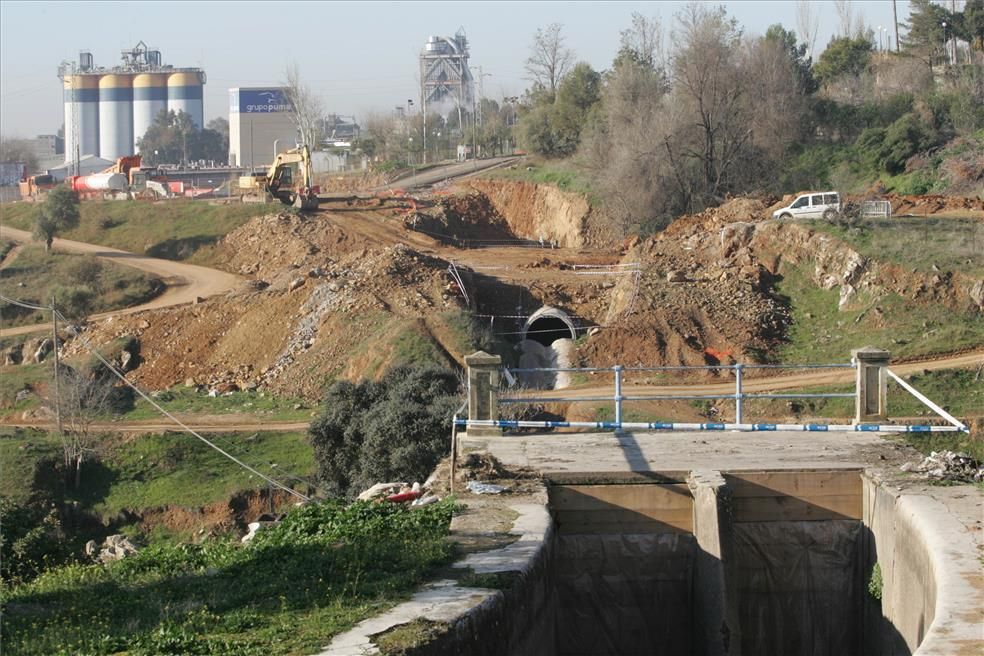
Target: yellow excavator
<point>289,180</point>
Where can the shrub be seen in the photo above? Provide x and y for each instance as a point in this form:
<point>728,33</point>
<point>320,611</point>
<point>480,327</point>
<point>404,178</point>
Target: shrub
<point>396,429</point>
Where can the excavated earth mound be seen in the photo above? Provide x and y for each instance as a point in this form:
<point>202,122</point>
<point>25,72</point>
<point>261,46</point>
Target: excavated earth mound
<point>706,288</point>
<point>323,304</point>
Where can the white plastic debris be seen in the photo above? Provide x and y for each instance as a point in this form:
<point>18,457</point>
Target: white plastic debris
<point>425,500</point>
<point>485,488</point>
<point>948,466</point>
<point>381,490</point>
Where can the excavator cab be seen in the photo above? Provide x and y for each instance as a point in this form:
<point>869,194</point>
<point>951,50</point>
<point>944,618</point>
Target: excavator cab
<point>289,180</point>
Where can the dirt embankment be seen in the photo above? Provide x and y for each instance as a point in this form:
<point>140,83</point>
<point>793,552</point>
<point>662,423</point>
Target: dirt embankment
<point>321,301</point>
<point>534,211</point>
<point>706,288</point>
<point>218,518</point>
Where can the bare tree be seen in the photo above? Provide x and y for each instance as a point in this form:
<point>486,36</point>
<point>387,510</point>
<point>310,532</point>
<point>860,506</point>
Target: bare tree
<point>307,110</point>
<point>769,72</point>
<point>708,86</point>
<point>644,38</point>
<point>845,14</point>
<point>549,58</point>
<point>807,25</point>
<point>82,398</point>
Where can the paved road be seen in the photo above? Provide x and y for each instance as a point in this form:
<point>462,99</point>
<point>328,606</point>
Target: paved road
<point>185,282</point>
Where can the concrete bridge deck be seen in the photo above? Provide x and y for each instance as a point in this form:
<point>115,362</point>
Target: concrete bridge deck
<point>558,452</point>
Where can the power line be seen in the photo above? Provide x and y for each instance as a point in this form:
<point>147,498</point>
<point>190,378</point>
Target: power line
<point>112,368</point>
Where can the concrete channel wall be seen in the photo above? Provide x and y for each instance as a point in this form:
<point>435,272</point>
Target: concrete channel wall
<point>713,564</point>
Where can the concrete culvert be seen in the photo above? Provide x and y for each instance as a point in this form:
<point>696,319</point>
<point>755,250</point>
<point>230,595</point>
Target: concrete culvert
<point>547,342</point>
<point>547,325</point>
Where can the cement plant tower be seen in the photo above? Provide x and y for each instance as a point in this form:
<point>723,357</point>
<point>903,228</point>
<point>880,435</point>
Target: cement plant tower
<point>446,84</point>
<point>108,110</point>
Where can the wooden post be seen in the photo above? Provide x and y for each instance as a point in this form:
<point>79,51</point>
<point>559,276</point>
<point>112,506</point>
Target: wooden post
<point>54,349</point>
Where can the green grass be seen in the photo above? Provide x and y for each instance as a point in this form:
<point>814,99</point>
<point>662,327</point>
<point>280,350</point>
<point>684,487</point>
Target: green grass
<point>820,333</point>
<point>14,378</point>
<point>323,569</point>
<point>179,229</point>
<point>188,400</point>
<point>950,244</point>
<point>35,276</point>
<point>559,173</point>
<point>955,390</point>
<point>20,454</point>
<point>173,469</point>
<point>178,469</point>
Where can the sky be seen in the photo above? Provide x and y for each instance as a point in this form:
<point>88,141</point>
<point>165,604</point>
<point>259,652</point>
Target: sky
<point>359,57</point>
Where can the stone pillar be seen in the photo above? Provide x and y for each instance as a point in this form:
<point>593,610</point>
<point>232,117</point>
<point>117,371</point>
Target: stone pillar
<point>871,394</point>
<point>483,381</point>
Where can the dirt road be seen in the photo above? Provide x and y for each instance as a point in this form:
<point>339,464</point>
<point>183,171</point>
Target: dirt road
<point>440,173</point>
<point>801,380</point>
<point>185,282</point>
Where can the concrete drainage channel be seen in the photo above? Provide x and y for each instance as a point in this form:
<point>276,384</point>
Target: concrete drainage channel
<point>710,563</point>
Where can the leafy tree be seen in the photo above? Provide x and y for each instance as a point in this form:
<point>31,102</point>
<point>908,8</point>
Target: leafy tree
<point>925,36</point>
<point>394,429</point>
<point>19,150</point>
<point>970,24</point>
<point>59,212</point>
<point>797,54</point>
<point>553,126</point>
<point>549,58</point>
<point>174,139</point>
<point>843,56</point>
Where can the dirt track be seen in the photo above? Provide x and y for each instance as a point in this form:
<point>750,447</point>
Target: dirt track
<point>185,282</point>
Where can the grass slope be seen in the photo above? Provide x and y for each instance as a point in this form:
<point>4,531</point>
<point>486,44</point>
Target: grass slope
<point>323,569</point>
<point>820,333</point>
<point>949,244</point>
<point>154,470</point>
<point>178,229</point>
<point>35,276</point>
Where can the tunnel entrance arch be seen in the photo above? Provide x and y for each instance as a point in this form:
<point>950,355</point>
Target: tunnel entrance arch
<point>547,325</point>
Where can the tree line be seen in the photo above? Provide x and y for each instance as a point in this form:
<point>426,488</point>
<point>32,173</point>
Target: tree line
<point>679,123</point>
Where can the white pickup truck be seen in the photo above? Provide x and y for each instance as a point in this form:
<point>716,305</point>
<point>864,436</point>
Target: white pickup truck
<point>819,205</point>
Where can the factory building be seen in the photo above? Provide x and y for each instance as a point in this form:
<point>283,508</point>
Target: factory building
<point>107,110</point>
<point>260,120</point>
<point>446,83</point>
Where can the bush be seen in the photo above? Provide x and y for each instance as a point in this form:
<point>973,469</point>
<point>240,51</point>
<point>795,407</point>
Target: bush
<point>396,429</point>
<point>87,271</point>
<point>32,539</point>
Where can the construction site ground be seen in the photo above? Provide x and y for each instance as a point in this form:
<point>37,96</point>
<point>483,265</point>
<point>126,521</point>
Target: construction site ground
<point>365,283</point>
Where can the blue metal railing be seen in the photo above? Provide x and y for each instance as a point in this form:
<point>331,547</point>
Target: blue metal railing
<point>738,396</point>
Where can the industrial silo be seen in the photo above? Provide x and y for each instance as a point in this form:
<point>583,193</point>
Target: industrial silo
<point>184,94</point>
<point>82,94</point>
<point>115,115</point>
<point>149,98</point>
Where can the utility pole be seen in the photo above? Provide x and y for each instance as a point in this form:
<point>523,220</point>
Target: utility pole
<point>895,18</point>
<point>54,339</point>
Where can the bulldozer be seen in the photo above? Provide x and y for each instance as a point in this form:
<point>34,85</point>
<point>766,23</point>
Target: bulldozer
<point>289,180</point>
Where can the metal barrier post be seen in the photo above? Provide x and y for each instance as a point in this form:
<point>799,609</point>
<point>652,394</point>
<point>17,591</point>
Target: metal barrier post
<point>483,381</point>
<point>738,394</point>
<point>871,384</point>
<point>618,396</point>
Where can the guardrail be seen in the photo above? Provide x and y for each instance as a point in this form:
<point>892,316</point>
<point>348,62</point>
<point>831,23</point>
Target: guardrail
<point>870,395</point>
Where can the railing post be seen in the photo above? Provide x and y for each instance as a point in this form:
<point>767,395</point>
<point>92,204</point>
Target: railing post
<point>618,397</point>
<point>483,381</point>
<point>738,393</point>
<point>871,384</point>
